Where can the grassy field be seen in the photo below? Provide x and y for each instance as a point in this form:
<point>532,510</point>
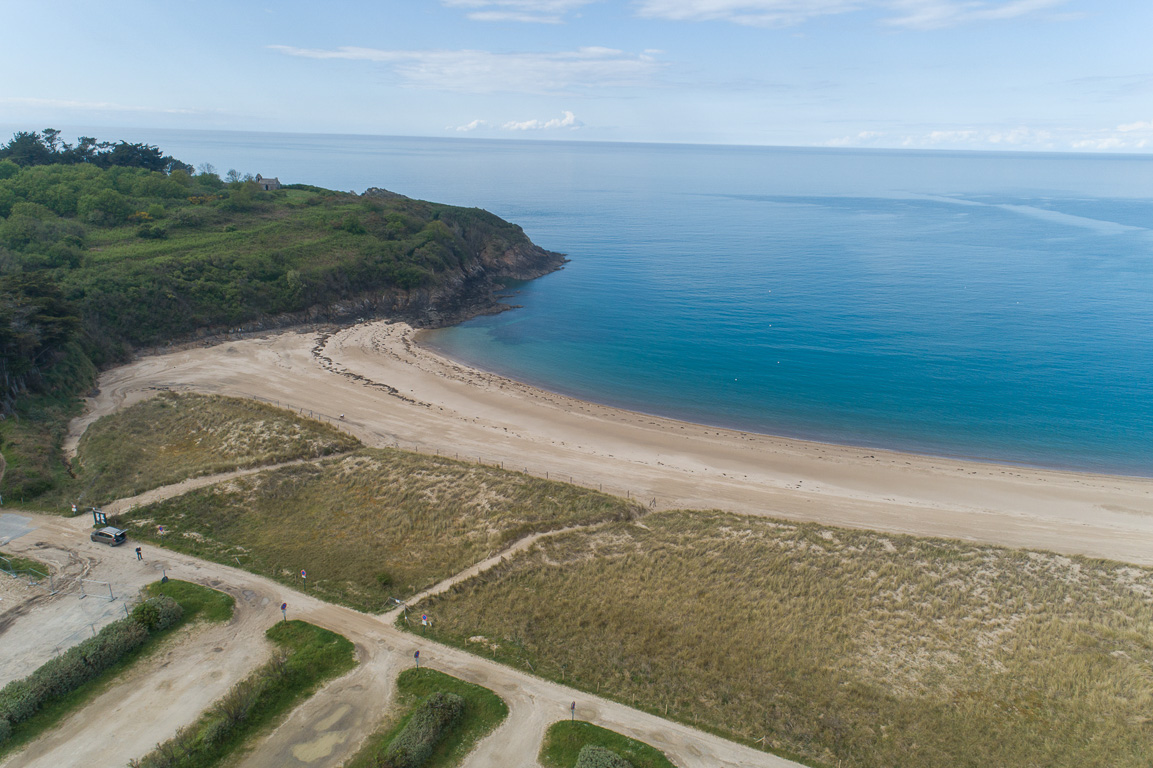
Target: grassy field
<point>484,711</point>
<point>197,602</point>
<point>840,647</point>
<point>369,525</point>
<point>564,740</point>
<point>172,437</point>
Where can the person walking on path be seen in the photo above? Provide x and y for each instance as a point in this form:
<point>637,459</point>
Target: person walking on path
<point>138,555</point>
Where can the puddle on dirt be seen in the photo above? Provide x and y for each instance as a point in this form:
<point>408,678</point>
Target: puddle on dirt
<point>311,751</point>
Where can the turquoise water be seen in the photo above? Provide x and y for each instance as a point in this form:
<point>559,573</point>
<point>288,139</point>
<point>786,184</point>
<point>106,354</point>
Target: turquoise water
<point>992,306</point>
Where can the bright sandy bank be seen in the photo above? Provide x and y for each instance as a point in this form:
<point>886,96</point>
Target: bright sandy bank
<point>392,391</point>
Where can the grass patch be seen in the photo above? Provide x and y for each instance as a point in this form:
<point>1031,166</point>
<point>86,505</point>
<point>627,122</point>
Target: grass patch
<point>196,602</point>
<point>564,740</point>
<point>306,657</point>
<point>16,566</point>
<point>834,646</point>
<point>369,525</point>
<point>172,437</point>
<point>484,711</point>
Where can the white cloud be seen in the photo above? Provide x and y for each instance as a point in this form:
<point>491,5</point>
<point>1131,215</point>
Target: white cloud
<point>92,106</point>
<point>531,11</point>
<point>568,121</point>
<point>468,127</point>
<point>913,14</point>
<point>485,72</point>
<point>1127,137</point>
<point>935,14</point>
<point>753,13</point>
<point>1139,126</point>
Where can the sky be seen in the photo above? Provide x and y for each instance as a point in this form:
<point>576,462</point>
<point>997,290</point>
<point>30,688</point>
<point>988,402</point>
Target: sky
<point>1044,75</point>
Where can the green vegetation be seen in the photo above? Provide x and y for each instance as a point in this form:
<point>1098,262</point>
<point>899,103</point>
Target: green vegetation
<point>483,712</point>
<point>368,525</point>
<point>171,437</point>
<point>431,721</point>
<point>307,656</point>
<point>104,250</point>
<point>592,756</point>
<point>15,565</point>
<point>65,684</point>
<point>566,742</point>
<point>196,601</point>
<point>837,646</point>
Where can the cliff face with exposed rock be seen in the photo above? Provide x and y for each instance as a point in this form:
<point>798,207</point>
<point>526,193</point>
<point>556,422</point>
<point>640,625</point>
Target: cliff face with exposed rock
<point>494,252</point>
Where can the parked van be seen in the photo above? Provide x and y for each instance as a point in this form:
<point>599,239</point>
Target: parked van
<point>110,536</point>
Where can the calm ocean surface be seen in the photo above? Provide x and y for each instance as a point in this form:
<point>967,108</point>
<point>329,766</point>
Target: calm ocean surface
<point>992,306</point>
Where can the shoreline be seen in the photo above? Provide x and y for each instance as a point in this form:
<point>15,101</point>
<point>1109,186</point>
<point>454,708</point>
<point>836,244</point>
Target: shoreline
<point>420,338</point>
<point>394,392</point>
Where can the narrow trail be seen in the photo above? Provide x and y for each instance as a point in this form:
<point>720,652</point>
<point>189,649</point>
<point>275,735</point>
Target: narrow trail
<point>475,570</point>
<point>165,492</point>
<point>332,725</point>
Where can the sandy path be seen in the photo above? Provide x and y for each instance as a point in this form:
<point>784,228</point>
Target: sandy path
<point>391,391</point>
<point>323,731</point>
<point>167,690</point>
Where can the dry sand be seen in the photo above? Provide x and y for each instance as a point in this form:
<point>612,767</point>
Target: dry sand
<point>391,391</point>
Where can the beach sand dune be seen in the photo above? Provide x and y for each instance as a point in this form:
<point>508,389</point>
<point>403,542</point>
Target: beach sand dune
<point>392,391</point>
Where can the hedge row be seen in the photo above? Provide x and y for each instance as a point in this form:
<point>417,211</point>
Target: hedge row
<point>21,699</point>
<point>431,721</point>
<point>307,656</point>
<point>594,756</point>
<point>192,744</point>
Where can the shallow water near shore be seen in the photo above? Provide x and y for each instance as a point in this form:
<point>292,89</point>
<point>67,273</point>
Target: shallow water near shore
<point>980,305</point>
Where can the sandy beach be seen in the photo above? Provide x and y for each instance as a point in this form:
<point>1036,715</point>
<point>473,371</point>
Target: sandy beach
<point>392,391</point>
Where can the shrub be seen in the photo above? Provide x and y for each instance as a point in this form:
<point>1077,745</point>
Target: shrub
<point>57,677</point>
<point>594,756</point>
<point>157,613</point>
<point>152,232</point>
<point>5,729</point>
<point>428,725</point>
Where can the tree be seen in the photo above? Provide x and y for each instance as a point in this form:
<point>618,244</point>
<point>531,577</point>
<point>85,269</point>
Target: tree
<point>26,148</point>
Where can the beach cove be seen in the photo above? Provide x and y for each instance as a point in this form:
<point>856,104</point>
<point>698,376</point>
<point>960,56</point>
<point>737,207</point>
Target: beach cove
<point>379,383</point>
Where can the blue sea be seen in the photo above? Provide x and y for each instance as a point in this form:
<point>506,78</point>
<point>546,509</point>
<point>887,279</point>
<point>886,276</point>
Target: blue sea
<point>996,306</point>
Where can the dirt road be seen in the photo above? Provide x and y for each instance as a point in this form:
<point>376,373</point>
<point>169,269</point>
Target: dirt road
<point>172,688</point>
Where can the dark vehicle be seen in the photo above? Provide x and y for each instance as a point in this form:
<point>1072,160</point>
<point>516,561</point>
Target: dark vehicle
<point>110,536</point>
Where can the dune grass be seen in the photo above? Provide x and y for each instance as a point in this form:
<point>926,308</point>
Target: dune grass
<point>483,712</point>
<point>196,601</point>
<point>564,740</point>
<point>837,647</point>
<point>175,436</point>
<point>368,525</point>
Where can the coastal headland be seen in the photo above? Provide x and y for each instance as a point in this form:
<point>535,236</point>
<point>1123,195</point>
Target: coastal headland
<point>378,382</point>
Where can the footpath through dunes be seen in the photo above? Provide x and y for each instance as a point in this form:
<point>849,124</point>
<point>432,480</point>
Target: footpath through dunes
<point>376,382</point>
<point>322,732</point>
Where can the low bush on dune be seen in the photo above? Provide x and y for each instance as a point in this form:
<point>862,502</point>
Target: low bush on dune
<point>592,756</point>
<point>428,725</point>
<point>404,724</point>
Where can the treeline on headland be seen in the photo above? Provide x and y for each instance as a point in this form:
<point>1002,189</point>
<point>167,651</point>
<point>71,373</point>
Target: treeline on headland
<point>107,247</point>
